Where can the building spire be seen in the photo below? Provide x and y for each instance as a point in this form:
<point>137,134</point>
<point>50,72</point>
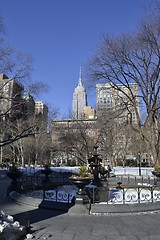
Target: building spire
<point>80,78</point>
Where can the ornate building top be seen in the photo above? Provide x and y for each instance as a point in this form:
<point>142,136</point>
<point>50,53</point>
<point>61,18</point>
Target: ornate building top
<point>80,87</point>
<point>79,99</point>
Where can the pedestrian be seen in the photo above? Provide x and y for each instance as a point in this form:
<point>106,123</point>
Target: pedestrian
<point>108,170</point>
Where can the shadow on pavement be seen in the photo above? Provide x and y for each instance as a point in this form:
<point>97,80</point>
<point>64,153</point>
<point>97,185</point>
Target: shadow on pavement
<point>30,216</point>
<point>36,215</point>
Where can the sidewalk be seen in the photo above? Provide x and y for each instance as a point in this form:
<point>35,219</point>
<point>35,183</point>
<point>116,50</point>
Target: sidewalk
<point>49,224</point>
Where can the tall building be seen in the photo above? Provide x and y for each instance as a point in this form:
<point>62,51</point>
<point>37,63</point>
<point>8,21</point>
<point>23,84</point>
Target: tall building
<point>79,99</point>
<point>41,110</point>
<point>11,93</point>
<point>114,98</point>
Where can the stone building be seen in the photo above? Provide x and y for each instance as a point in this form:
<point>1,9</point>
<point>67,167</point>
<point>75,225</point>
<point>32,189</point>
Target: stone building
<point>41,115</point>
<point>11,93</point>
<point>72,139</point>
<point>88,113</point>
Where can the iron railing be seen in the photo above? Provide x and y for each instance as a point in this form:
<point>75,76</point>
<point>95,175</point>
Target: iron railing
<point>122,189</point>
<point>65,194</point>
<point>120,195</point>
<point>107,195</point>
<point>35,181</point>
<point>134,179</point>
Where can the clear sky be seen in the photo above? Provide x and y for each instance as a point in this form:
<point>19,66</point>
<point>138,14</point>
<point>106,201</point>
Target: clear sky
<point>61,35</point>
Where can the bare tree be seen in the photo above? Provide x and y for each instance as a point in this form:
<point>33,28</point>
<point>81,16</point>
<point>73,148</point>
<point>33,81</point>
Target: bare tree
<point>134,58</point>
<point>114,138</point>
<point>75,139</point>
<point>19,67</point>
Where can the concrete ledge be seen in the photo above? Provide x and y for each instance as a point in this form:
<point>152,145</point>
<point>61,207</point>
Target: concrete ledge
<point>79,209</point>
<point>35,202</point>
<point>56,205</point>
<point>22,199</point>
<point>124,208</point>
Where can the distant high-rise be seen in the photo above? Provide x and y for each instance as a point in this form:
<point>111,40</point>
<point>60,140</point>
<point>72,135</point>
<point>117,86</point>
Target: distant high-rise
<point>41,110</point>
<point>79,99</point>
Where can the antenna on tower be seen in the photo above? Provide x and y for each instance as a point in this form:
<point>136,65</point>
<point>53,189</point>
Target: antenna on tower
<point>80,77</point>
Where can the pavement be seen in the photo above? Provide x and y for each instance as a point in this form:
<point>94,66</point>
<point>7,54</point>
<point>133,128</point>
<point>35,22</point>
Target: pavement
<point>55,224</point>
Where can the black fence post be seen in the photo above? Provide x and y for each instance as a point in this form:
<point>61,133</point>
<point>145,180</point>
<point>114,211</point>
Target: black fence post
<point>139,195</point>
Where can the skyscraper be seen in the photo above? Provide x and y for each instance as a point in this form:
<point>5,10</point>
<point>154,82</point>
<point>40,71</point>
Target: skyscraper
<point>79,99</point>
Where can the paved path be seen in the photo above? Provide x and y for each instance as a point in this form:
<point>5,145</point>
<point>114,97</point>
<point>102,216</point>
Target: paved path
<point>55,225</point>
<point>49,224</point>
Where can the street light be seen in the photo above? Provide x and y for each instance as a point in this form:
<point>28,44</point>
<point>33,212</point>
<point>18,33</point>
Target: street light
<point>139,163</point>
<point>96,179</point>
<point>1,152</point>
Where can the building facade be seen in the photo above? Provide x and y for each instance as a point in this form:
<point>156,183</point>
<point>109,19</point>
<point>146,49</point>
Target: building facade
<point>114,98</point>
<point>69,137</point>
<point>28,106</point>
<point>79,99</point>
<point>11,93</point>
<point>88,113</point>
<point>41,110</point>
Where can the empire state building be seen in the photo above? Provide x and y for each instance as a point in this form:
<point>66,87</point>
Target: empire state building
<point>79,99</point>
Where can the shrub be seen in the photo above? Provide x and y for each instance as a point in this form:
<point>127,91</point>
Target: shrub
<point>157,168</point>
<point>83,171</point>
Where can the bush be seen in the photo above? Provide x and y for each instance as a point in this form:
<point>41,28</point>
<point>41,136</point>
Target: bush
<point>157,168</point>
<point>83,171</point>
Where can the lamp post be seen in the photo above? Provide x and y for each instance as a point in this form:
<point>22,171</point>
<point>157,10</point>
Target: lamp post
<point>124,164</point>
<point>1,140</point>
<point>68,126</point>
<point>1,153</point>
<point>139,163</point>
<point>96,179</point>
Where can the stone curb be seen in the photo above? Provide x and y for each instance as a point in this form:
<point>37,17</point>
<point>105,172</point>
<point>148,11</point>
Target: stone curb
<point>22,199</point>
<point>124,208</point>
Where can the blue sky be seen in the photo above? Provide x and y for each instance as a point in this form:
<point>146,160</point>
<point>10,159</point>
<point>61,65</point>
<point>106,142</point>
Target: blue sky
<point>61,35</point>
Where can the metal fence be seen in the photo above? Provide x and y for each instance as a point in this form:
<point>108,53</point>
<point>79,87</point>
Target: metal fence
<point>122,189</point>
<point>133,179</point>
<point>38,181</point>
<point>65,194</point>
<point>127,195</point>
<point>114,195</point>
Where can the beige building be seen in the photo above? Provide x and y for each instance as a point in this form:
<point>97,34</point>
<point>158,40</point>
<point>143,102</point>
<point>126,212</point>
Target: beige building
<point>88,113</point>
